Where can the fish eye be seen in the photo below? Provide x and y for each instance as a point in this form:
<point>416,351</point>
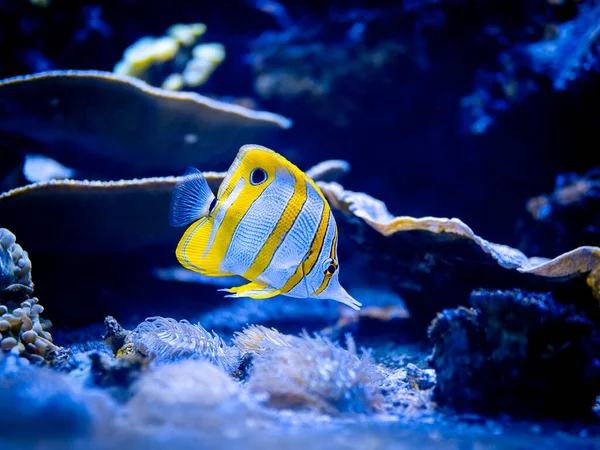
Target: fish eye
<point>258,176</point>
<point>212,205</point>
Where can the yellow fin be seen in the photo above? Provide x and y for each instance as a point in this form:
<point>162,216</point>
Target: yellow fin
<point>253,289</point>
<point>191,248</point>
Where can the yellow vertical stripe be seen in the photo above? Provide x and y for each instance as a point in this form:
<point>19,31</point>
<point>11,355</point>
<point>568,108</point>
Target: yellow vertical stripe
<point>233,216</point>
<point>312,254</point>
<point>285,222</point>
<point>329,276</point>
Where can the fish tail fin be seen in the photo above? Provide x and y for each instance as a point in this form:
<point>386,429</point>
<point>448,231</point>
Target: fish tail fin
<point>254,290</point>
<point>191,199</point>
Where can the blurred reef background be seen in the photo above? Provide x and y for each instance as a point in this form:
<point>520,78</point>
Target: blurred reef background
<point>457,143</point>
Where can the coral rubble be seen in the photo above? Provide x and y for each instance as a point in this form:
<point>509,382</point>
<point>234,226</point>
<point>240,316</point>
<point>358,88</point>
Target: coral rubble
<point>517,352</point>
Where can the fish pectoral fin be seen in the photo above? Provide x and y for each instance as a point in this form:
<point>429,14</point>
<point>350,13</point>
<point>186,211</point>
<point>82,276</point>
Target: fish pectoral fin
<point>253,289</point>
<point>191,199</point>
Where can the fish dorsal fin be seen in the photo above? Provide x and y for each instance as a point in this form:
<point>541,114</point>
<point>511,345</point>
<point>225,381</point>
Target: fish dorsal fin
<point>192,199</point>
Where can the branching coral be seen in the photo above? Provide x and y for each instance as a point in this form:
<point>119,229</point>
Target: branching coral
<point>516,352</point>
<point>166,340</point>
<point>311,373</point>
<point>175,61</point>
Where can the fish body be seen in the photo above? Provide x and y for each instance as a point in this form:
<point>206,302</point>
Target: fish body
<point>269,224</point>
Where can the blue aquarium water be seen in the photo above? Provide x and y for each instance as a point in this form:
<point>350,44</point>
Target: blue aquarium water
<point>279,224</point>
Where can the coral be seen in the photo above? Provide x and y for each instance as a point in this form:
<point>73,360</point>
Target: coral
<point>571,52</point>
<point>165,340</point>
<point>93,201</point>
<point>434,263</point>
<point>330,170</point>
<point>312,373</point>
<point>24,332</point>
<point>174,61</point>
<point>300,67</point>
<point>15,266</point>
<point>563,50</point>
<point>170,130</point>
<point>568,217</point>
<point>516,352</point>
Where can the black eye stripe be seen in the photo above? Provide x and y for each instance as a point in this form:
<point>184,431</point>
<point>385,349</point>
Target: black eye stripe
<point>258,176</point>
<point>331,269</point>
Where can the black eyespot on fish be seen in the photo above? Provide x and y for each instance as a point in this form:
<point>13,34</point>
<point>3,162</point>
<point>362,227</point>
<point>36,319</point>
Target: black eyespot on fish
<point>331,269</point>
<point>212,205</point>
<point>258,176</point>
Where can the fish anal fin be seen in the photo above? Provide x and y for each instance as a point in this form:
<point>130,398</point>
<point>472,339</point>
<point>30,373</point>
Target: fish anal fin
<point>254,289</point>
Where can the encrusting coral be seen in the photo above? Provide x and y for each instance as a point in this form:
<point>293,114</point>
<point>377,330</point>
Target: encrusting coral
<point>311,373</point>
<point>171,130</point>
<point>517,352</point>
<point>22,330</point>
<point>166,340</point>
<point>442,260</point>
<point>174,61</point>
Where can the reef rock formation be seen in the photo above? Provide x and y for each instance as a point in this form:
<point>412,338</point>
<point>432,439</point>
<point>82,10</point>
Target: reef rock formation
<point>517,352</point>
